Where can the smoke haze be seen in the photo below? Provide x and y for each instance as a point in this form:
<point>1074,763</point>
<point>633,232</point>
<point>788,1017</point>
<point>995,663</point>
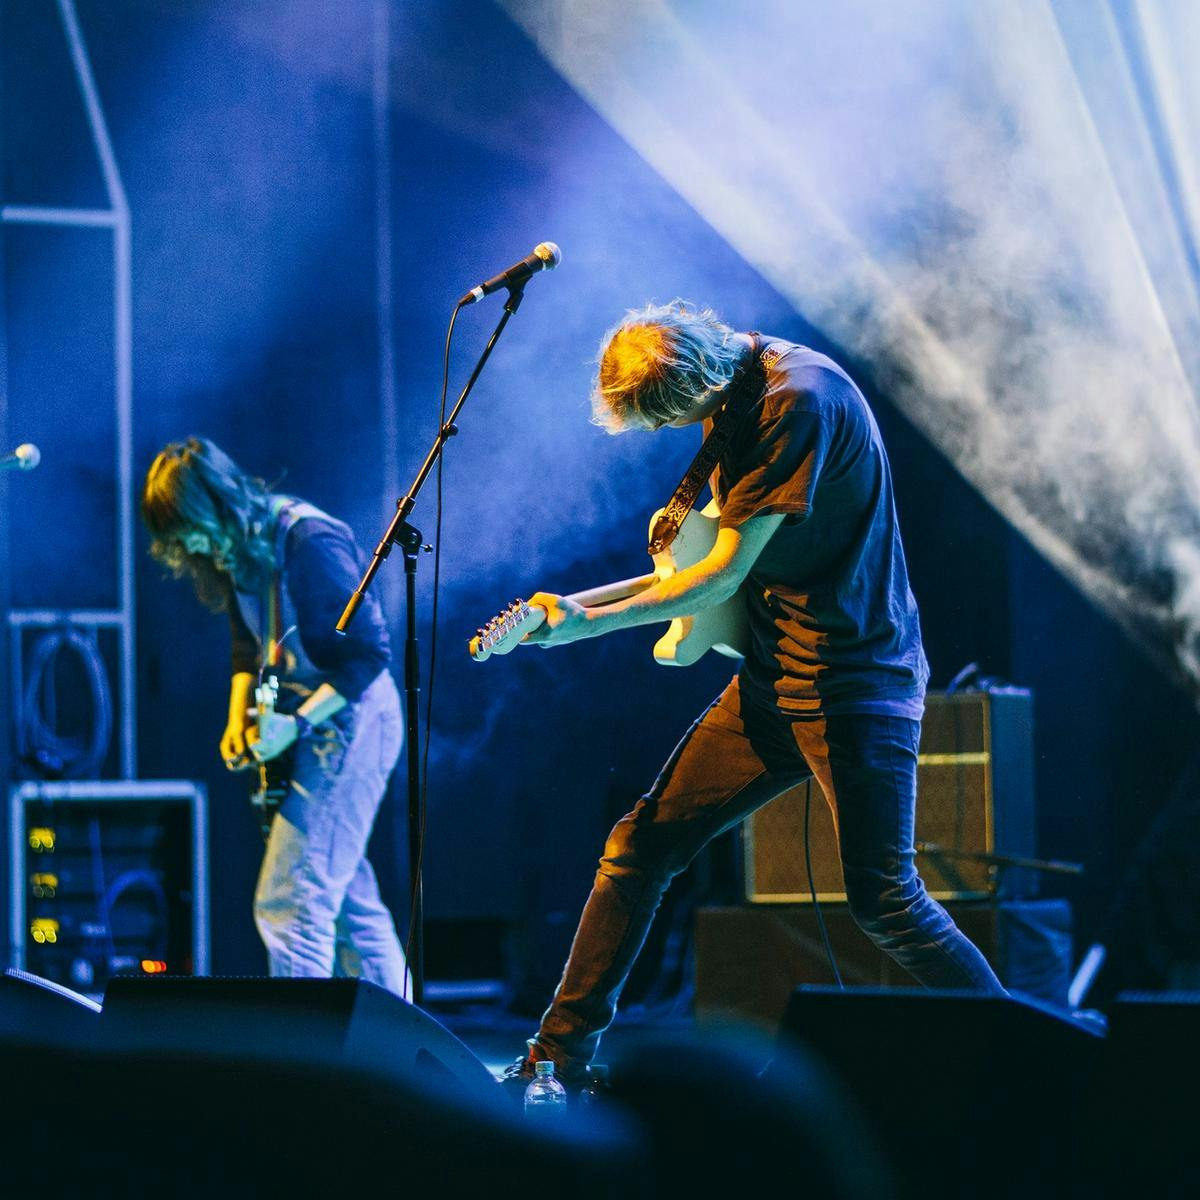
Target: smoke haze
<point>986,205</point>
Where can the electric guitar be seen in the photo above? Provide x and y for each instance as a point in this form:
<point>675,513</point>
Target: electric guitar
<point>721,628</point>
<point>273,776</point>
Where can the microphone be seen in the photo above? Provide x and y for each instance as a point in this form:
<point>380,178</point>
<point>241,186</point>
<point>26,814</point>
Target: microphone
<point>24,458</point>
<point>545,257</point>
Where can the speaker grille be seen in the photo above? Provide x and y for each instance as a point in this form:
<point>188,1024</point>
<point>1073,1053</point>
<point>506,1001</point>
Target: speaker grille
<point>956,783</point>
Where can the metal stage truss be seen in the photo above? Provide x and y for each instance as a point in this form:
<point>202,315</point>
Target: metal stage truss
<point>114,222</point>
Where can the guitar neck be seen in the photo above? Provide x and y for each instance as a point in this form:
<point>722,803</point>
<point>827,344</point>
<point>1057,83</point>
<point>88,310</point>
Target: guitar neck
<point>506,630</point>
<point>610,593</point>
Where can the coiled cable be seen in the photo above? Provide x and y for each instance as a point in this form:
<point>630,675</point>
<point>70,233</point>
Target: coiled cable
<point>41,746</point>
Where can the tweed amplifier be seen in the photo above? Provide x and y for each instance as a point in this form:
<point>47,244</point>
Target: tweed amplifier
<point>974,797</point>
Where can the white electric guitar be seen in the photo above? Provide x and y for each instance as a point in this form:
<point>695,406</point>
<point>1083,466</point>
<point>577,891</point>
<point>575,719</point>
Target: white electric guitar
<point>721,628</point>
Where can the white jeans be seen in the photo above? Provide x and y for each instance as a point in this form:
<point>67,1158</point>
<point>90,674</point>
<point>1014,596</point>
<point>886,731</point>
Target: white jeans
<point>317,904</point>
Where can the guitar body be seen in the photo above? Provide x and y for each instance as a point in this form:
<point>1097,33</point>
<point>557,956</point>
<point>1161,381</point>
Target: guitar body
<point>723,628</point>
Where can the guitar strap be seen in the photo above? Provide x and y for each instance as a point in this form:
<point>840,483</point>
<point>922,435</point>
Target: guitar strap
<point>273,651</point>
<point>273,654</point>
<point>746,388</point>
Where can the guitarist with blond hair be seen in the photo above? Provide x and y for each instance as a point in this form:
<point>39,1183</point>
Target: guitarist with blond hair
<point>833,681</point>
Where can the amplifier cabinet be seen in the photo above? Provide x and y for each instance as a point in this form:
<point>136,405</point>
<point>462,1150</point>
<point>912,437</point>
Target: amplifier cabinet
<point>974,796</point>
<point>749,959</point>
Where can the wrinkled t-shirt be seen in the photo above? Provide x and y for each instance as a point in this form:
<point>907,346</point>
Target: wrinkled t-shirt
<point>833,622</point>
<point>321,568</point>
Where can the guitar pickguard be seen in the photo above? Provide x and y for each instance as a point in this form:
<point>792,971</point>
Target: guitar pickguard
<point>724,627</point>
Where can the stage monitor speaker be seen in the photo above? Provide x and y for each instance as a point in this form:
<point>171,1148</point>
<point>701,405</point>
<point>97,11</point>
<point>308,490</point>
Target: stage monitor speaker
<point>1145,1111</point>
<point>750,958</point>
<point>285,1088</point>
<point>974,796</point>
<point>974,1096</point>
<point>346,1020</point>
<point>43,1010</point>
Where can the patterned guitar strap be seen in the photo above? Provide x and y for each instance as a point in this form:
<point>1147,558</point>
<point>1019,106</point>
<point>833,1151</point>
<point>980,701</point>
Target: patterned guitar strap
<point>745,389</point>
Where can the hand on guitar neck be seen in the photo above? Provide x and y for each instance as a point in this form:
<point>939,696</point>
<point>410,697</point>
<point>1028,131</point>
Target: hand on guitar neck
<point>563,620</point>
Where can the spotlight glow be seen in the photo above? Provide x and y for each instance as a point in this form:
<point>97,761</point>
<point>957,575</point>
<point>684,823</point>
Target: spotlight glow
<point>986,204</point>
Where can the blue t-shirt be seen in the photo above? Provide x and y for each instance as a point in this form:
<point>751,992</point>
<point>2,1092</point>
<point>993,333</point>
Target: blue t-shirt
<point>833,622</point>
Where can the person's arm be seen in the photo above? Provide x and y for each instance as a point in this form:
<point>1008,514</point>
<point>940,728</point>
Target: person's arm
<point>243,669</point>
<point>324,703</point>
<point>233,740</point>
<point>322,571</point>
<point>284,729</point>
<point>775,482</point>
<point>709,582</point>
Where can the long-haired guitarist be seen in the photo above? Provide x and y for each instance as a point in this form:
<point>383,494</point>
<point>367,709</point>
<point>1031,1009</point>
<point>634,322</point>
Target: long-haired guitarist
<point>833,681</point>
<point>281,569</point>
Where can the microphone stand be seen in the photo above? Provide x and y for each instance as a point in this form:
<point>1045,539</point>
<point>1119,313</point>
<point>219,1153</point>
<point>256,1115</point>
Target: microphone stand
<point>1051,865</point>
<point>412,542</point>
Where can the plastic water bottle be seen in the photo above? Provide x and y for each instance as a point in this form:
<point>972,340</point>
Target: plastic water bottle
<point>545,1097</point>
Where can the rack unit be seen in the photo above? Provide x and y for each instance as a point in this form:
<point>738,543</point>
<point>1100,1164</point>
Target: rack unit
<point>108,878</point>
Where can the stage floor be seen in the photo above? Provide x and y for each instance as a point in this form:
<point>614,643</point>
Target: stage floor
<point>497,1037</point>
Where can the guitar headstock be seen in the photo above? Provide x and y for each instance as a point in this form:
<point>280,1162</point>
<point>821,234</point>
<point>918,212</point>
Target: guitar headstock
<point>505,630</point>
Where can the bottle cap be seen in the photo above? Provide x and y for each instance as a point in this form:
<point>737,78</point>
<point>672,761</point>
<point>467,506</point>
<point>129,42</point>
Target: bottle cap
<point>544,1067</point>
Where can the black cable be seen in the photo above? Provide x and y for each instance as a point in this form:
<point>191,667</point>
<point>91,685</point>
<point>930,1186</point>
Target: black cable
<point>837,975</point>
<point>415,883</point>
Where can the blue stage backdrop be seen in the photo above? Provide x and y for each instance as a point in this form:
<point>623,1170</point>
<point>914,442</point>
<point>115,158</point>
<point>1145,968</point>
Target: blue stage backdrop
<point>247,138</point>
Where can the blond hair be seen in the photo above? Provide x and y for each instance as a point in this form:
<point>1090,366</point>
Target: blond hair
<point>658,363</point>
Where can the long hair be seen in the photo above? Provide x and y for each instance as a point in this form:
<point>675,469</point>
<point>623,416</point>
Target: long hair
<point>658,362</point>
<point>193,486</point>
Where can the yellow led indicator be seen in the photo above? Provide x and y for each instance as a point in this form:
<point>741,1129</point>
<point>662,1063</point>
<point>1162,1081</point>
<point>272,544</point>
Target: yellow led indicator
<point>44,930</point>
<point>41,840</point>
<point>44,885</point>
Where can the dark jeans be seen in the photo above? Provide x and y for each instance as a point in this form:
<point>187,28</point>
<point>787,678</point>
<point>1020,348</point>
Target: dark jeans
<point>734,759</point>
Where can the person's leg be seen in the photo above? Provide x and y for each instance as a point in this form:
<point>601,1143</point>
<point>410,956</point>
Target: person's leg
<point>367,944</point>
<point>718,773</point>
<point>295,904</point>
<point>347,962</point>
<point>867,766</point>
<point>319,837</point>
